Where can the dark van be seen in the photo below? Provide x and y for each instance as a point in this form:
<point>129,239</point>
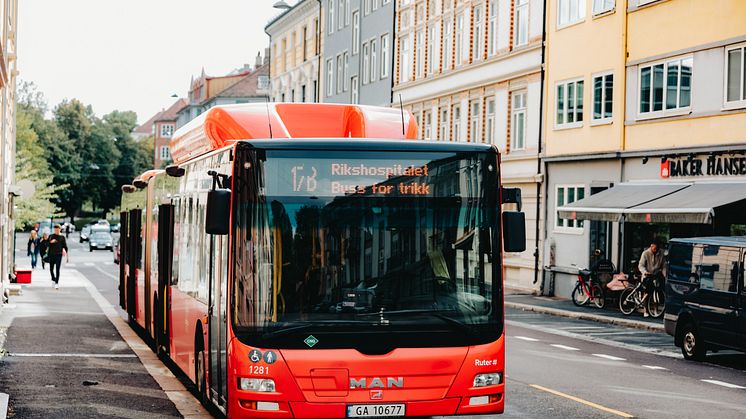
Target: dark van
<point>706,295</point>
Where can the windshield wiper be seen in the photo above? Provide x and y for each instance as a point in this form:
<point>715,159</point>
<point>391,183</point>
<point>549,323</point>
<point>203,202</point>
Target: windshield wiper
<point>433,312</point>
<point>295,327</point>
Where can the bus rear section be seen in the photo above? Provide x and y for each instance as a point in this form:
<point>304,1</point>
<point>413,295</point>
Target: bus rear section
<point>365,280</point>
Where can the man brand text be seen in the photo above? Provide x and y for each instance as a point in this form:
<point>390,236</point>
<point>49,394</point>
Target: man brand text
<point>376,382</point>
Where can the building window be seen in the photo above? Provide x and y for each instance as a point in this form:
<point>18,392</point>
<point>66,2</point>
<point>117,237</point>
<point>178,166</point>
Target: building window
<point>602,6</point>
<point>329,78</point>
<point>355,32</point>
<point>367,6</point>
<point>447,34</point>
<point>355,89</point>
<point>518,121</point>
<point>346,70</point>
<point>167,130</point>
<point>384,56</point>
<point>492,29</point>
<point>456,122</point>
<point>419,62</point>
<point>569,104</point>
<point>404,59</point>
<point>262,82</point>
<point>603,95</point>
<point>340,74</point>
<point>567,195</point>
<point>459,39</point>
<point>569,12</point>
<point>665,85</point>
<point>736,76</point>
<point>303,42</point>
<point>330,17</point>
<point>443,133</point>
<point>476,121</point>
<point>303,93</point>
<point>373,60</point>
<point>478,44</point>
<point>347,12</point>
<point>428,125</point>
<point>433,47</point>
<point>165,153</point>
<point>366,63</point>
<point>341,19</point>
<point>520,19</point>
<point>489,127</point>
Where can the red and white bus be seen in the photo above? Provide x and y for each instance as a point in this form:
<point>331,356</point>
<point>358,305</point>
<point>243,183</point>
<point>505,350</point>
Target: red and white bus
<point>314,260</point>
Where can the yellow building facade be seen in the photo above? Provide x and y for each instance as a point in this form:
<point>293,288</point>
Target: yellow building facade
<point>644,100</point>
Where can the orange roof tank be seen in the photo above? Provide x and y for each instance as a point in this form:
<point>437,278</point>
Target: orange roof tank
<point>222,125</point>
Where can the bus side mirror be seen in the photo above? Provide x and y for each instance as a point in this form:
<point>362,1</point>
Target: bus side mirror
<point>218,211</point>
<point>514,231</point>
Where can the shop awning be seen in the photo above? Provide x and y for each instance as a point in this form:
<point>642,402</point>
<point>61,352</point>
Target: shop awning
<point>609,205</point>
<point>693,203</point>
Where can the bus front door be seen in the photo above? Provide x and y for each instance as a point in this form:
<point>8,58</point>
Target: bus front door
<point>165,263</point>
<point>123,259</point>
<point>217,312</point>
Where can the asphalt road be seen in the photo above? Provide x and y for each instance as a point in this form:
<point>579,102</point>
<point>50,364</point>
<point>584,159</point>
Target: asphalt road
<point>565,368</point>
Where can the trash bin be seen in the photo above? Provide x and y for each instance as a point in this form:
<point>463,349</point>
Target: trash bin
<point>23,276</point>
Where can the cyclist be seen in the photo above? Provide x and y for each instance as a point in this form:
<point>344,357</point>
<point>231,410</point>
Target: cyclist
<point>652,263</point>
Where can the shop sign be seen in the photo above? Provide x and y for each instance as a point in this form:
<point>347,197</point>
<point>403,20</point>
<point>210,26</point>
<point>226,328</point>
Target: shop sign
<point>711,166</point>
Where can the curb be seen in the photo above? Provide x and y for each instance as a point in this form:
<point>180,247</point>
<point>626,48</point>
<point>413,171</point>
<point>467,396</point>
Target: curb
<point>4,405</point>
<point>587,316</point>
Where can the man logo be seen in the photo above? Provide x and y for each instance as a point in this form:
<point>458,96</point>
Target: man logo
<point>376,382</point>
<point>376,394</point>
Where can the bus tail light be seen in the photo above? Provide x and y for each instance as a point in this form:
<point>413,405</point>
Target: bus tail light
<point>489,379</point>
<point>262,385</point>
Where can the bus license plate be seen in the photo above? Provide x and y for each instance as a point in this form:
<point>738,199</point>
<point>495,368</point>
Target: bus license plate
<point>374,410</point>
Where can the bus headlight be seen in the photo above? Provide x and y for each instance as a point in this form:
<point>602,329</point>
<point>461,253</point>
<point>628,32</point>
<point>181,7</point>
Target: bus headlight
<point>489,379</point>
<point>262,385</point>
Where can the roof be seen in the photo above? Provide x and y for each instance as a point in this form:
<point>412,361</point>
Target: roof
<point>147,127</point>
<point>170,114</point>
<point>714,240</point>
<point>246,86</point>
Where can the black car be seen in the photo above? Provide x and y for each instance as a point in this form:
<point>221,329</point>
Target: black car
<point>706,295</point>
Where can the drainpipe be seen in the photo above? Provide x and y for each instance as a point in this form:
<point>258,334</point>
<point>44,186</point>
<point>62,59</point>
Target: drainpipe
<point>318,58</point>
<point>623,134</point>
<point>538,154</point>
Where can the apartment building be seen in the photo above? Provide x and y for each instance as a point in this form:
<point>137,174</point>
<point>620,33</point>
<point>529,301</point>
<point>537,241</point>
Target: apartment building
<point>358,52</point>
<point>470,70</point>
<point>645,127</point>
<point>164,126</point>
<point>295,51</point>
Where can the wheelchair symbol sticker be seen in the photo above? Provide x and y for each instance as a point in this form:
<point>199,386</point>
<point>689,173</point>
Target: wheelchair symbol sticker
<point>255,355</point>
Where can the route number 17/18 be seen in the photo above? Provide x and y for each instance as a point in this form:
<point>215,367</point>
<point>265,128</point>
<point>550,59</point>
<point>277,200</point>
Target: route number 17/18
<point>303,181</point>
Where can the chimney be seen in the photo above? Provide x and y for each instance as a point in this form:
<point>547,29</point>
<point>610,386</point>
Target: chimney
<point>258,61</point>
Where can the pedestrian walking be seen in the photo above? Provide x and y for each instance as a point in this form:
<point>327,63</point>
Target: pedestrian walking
<point>57,249</point>
<point>33,248</point>
<point>44,249</point>
<point>67,230</point>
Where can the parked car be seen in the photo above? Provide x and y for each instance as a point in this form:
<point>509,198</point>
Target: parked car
<point>101,240</point>
<point>116,252</point>
<point>85,233</point>
<point>103,222</point>
<point>706,295</point>
<point>116,227</point>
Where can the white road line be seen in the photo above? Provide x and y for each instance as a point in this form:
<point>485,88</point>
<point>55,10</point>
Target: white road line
<point>26,355</point>
<point>611,357</point>
<point>724,384</point>
<point>567,348</point>
<point>526,338</point>
<point>69,265</point>
<point>655,367</point>
<point>89,264</point>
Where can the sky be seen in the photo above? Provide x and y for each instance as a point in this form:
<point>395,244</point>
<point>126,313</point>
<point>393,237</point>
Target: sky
<point>134,54</point>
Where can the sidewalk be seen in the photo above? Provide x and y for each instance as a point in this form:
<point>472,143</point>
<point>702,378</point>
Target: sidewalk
<point>67,353</point>
<point>556,306</point>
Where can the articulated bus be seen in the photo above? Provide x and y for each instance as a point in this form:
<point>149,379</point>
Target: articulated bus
<point>316,260</point>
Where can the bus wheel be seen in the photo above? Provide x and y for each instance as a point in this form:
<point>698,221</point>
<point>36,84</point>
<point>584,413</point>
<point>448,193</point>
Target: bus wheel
<point>200,378</point>
<point>692,346</point>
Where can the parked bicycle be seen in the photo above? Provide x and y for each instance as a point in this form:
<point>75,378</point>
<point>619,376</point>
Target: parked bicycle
<point>587,290</point>
<point>647,293</point>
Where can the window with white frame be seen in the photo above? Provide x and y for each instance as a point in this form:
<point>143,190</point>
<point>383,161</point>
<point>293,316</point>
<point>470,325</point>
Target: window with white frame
<point>342,13</point>
<point>447,37</point>
<point>367,4</point>
<point>330,17</point>
<point>476,121</point>
<point>165,153</point>
<point>354,81</point>
<point>478,43</point>
<point>492,29</point>
<point>520,19</point>
<point>376,4</point>
<point>428,125</point>
<point>665,86</point>
<point>456,122</point>
<point>433,47</point>
<point>340,73</point>
<point>603,6</point>
<point>404,59</point>
<point>373,60</point>
<point>366,63</point>
<point>569,104</point>
<point>443,134</point>
<point>348,12</point>
<point>644,2</point>
<point>489,122</point>
<point>567,194</point>
<point>329,77</point>
<point>385,56</point>
<point>735,78</point>
<point>355,32</point>
<point>518,121</point>
<point>603,95</point>
<point>569,12</point>
<point>167,130</point>
<point>346,70</point>
<point>459,39</point>
<point>419,62</point>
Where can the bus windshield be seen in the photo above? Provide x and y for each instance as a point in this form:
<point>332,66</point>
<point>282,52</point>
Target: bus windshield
<point>366,242</point>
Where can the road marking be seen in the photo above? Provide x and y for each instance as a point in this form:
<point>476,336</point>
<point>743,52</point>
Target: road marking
<point>70,265</point>
<point>611,357</point>
<point>27,355</point>
<point>89,264</point>
<point>585,402</point>
<point>724,384</point>
<point>526,338</point>
<point>655,367</point>
<point>107,273</point>
<point>567,348</point>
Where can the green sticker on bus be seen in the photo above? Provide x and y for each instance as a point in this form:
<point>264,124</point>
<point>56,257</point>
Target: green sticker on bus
<point>310,341</point>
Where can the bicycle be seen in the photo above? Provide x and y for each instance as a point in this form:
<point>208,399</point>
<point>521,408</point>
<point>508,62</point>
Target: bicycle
<point>650,296</point>
<point>585,290</point>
